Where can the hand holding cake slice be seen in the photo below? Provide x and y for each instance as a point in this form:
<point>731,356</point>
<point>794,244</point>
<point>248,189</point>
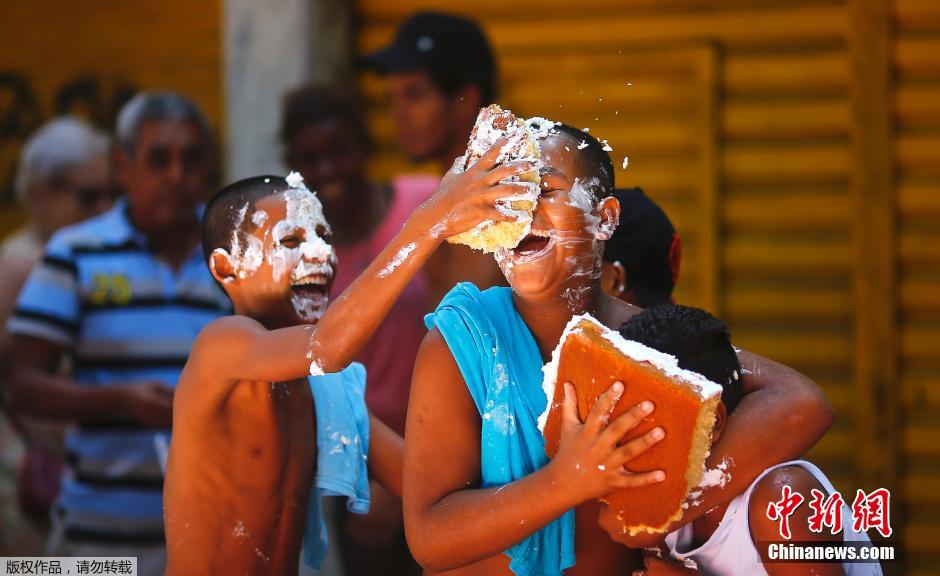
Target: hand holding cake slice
<point>592,357</point>
<point>494,123</point>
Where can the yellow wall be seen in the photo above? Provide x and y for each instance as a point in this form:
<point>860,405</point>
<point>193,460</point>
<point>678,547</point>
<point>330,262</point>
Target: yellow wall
<point>803,177</point>
<point>144,44</point>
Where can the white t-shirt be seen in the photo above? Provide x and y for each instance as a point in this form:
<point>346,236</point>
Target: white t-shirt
<point>731,551</point>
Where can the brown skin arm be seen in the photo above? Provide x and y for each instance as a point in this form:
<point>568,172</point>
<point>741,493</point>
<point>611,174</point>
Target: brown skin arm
<point>242,349</point>
<point>15,272</point>
<point>386,454</point>
<point>36,390</point>
<point>776,398</point>
<point>764,529</point>
<point>663,566</point>
<point>449,520</point>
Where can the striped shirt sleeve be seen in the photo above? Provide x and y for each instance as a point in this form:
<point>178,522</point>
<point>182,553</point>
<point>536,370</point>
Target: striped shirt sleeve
<point>48,305</point>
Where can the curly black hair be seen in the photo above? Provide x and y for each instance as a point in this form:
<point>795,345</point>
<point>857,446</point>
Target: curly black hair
<point>699,341</point>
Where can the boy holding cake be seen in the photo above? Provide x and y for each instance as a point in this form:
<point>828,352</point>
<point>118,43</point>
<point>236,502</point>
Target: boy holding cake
<point>480,495</point>
<point>722,542</point>
<point>251,435</point>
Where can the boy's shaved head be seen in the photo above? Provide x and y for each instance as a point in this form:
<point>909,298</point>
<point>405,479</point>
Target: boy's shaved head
<point>592,158</point>
<point>226,210</point>
<point>699,341</point>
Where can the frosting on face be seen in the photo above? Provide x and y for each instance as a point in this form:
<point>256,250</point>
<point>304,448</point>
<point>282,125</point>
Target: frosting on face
<point>310,262</point>
<point>247,250</point>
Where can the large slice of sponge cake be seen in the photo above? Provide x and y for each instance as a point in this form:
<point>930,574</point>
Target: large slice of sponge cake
<point>492,124</point>
<point>592,357</point>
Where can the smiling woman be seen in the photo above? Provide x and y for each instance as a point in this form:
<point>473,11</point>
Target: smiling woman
<point>480,494</point>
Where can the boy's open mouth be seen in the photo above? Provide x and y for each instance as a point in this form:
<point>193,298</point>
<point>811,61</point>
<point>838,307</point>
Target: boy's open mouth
<point>311,286</point>
<point>535,244</point>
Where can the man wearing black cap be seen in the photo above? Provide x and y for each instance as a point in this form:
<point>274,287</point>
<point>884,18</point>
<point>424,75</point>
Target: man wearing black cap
<point>440,71</point>
<point>641,259</point>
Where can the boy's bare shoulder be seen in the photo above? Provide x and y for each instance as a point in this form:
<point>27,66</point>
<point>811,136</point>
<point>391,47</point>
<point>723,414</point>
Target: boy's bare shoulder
<point>222,338</point>
<point>228,329</point>
<point>799,479</point>
<point>217,343</point>
<point>769,489</point>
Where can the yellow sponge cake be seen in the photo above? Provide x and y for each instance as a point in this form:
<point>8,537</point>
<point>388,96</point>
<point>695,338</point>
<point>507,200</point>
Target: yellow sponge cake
<point>492,124</point>
<point>592,357</point>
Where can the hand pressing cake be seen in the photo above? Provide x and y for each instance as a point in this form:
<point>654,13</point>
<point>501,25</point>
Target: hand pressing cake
<point>592,357</point>
<point>492,124</point>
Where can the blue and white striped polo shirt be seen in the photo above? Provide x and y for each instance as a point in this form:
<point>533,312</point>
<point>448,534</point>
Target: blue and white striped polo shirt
<point>124,316</point>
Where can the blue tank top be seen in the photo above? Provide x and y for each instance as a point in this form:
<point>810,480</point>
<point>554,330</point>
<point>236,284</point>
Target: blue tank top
<point>501,364</point>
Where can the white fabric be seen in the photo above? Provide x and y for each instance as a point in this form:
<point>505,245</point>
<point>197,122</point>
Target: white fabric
<point>731,551</point>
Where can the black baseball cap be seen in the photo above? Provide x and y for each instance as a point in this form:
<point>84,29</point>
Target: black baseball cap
<point>646,244</point>
<point>452,48</point>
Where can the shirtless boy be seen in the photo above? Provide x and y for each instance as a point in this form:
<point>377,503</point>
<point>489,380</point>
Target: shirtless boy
<point>479,498</point>
<point>243,453</point>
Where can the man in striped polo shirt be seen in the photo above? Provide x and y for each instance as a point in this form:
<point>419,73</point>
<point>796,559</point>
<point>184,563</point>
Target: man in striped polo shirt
<point>122,297</point>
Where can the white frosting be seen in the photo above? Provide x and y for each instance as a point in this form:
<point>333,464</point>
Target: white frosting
<point>397,261</point>
<point>304,212</point>
<point>539,127</point>
<point>309,309</point>
<point>247,250</point>
<point>582,198</point>
<point>295,180</point>
<point>485,135</point>
<point>665,363</point>
<point>239,531</point>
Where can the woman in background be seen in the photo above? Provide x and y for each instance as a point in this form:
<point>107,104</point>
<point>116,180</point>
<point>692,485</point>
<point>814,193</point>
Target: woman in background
<point>63,177</point>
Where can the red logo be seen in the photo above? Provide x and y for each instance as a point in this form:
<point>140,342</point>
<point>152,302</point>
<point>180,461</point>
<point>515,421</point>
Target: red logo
<point>872,510</point>
<point>784,508</point>
<point>869,511</point>
<point>826,512</point>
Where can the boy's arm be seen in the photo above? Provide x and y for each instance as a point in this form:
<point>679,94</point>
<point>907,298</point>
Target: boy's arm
<point>463,200</point>
<point>763,529</point>
<point>777,399</point>
<point>386,453</point>
<point>450,521</point>
<point>781,416</point>
<point>662,565</point>
<point>241,349</point>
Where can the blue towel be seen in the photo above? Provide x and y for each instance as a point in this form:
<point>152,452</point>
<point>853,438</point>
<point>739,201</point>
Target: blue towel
<point>342,452</point>
<point>501,364</point>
